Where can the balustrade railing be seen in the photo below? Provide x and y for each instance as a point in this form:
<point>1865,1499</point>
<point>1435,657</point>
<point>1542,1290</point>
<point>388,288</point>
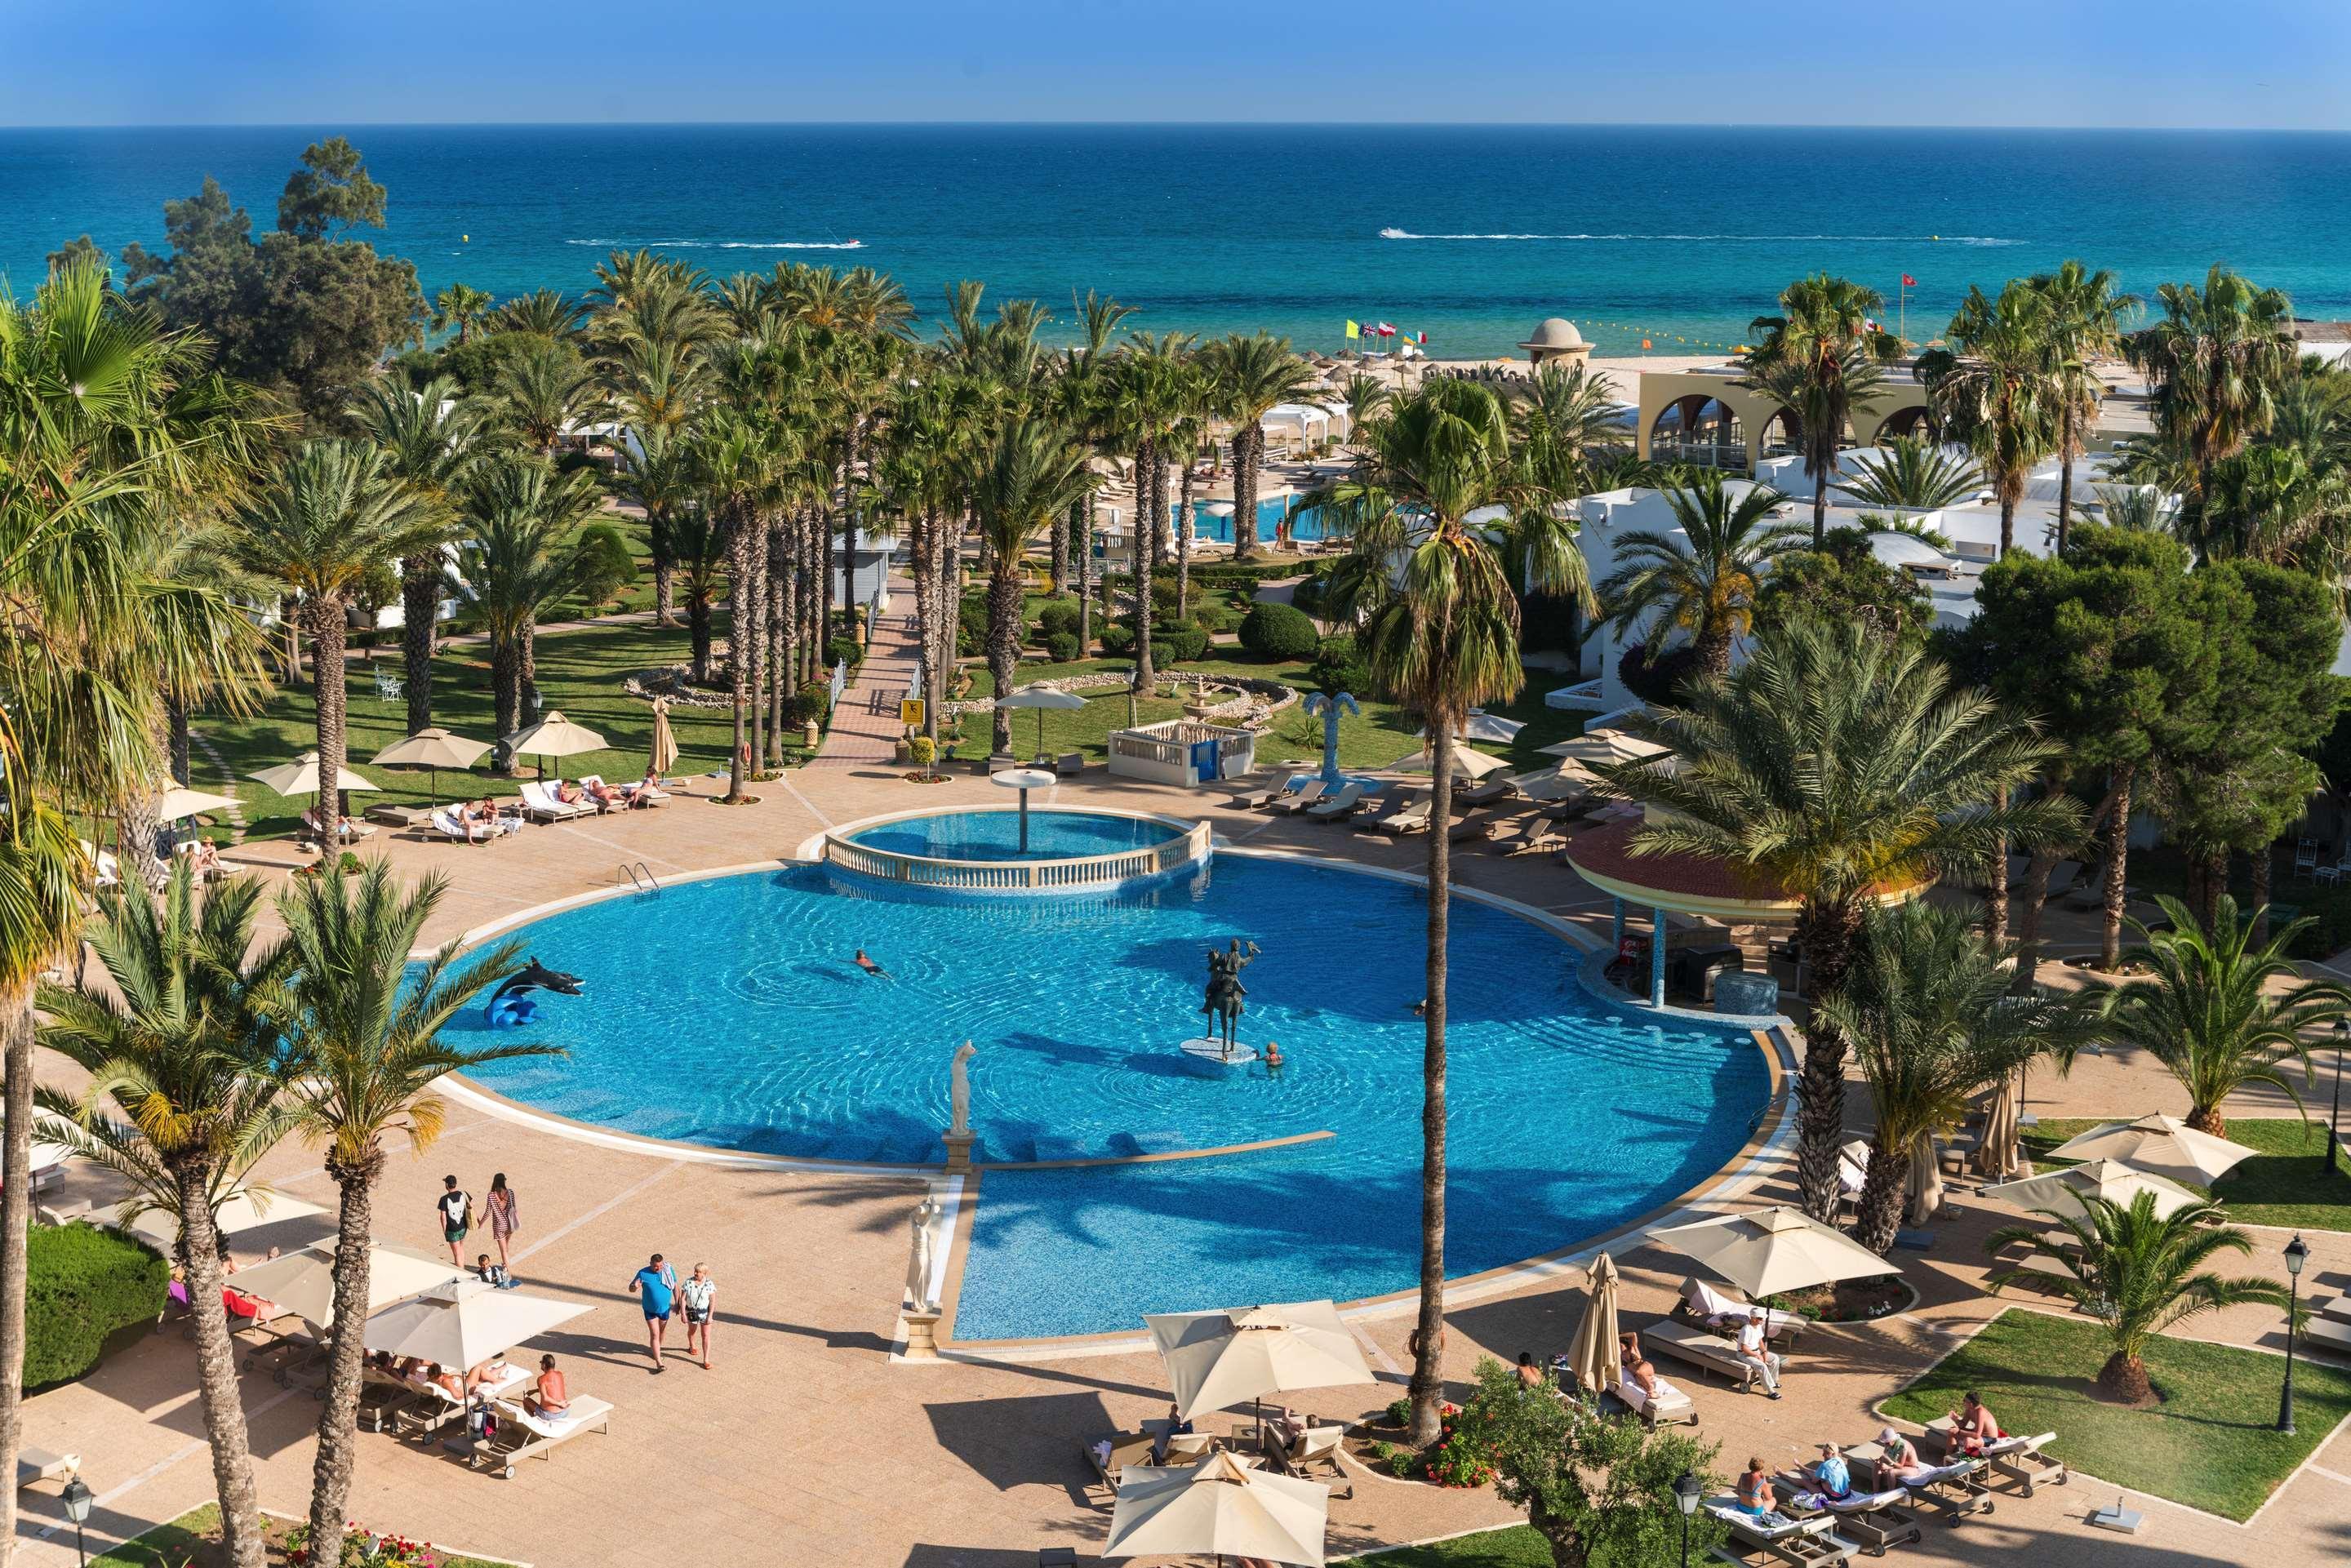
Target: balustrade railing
<point>989,876</point>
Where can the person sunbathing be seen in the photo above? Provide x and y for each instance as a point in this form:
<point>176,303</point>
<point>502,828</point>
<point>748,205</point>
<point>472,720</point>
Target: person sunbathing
<point>432,1372</point>
<point>1638,1376</point>
<point>567,793</point>
<point>1903,1463</point>
<point>606,798</point>
<point>550,1395</point>
<point>1831,1474</point>
<point>491,1372</point>
<point>1755,1489</point>
<point>1288,1426</point>
<point>1972,1428</point>
<point>646,791</point>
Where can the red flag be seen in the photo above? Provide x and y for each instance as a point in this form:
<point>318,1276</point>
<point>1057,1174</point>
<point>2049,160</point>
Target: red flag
<point>1908,281</point>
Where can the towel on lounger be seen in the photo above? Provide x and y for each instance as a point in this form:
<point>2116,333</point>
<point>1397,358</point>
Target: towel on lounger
<point>1854,1502</point>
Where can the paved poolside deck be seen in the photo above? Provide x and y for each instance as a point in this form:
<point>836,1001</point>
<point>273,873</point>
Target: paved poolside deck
<point>809,1443</point>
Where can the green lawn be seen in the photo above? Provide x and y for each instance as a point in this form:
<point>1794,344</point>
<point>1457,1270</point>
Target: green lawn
<point>578,673</point>
<point>1511,1546</point>
<point>193,1538</point>
<point>2280,1185</point>
<point>2212,1443</point>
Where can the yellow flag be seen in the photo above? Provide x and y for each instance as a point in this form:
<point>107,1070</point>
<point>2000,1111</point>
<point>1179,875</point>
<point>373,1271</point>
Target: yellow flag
<point>1355,328</point>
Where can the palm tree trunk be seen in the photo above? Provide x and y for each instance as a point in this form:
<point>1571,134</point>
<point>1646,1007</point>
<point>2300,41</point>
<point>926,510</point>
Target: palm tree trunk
<point>2124,1378</point>
<point>2110,938</point>
<point>142,834</point>
<point>2064,472</point>
<point>2028,923</point>
<point>333,701</point>
<point>1184,545</point>
<point>2216,883</point>
<point>1879,1211</point>
<point>1081,520</point>
<point>2257,869</point>
<point>505,692</point>
<point>2006,522</point>
<point>1821,499</point>
<point>1713,651</point>
<point>824,592</point>
<point>1828,939</point>
<point>657,545</point>
<point>338,1422</point>
<point>176,719</point>
<point>1996,882</point>
<point>755,638</point>
<point>420,600</point>
<point>1245,440</point>
<point>697,635</point>
<point>15,1225</point>
<point>1159,464</point>
<point>1003,642</point>
<point>1060,551</point>
<point>741,618</point>
<point>217,1389</point>
<point>1428,1331</point>
<point>771,622</point>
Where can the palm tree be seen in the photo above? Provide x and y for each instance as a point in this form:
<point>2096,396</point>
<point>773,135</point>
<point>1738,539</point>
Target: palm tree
<point>1703,579</point>
<point>460,308</point>
<point>1444,641</point>
<point>2216,1009</point>
<point>1018,486</point>
<point>2216,358</point>
<point>1251,376</point>
<point>1928,1011</point>
<point>2085,322</point>
<point>701,573</point>
<point>427,436</point>
<point>1819,357</point>
<point>1564,419</point>
<point>543,312</point>
<point>522,559</point>
<point>742,468</point>
<point>1844,768</point>
<point>2136,1274</point>
<point>365,1047</point>
<point>174,1042</point>
<point>1997,391</point>
<point>1913,475</point>
<point>334,513</point>
<point>544,389</point>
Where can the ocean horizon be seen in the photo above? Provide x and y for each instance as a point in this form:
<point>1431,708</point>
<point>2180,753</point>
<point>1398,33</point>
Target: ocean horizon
<point>1467,233</point>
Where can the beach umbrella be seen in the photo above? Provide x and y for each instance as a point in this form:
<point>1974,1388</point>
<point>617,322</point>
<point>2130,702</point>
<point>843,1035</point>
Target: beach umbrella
<point>2160,1145</point>
<point>1996,1151</point>
<point>1220,1358</point>
<point>2062,1191</point>
<point>247,1208</point>
<point>182,801</point>
<point>466,1322</point>
<point>1773,1251</point>
<point>1551,784</point>
<point>1467,763</point>
<point>1222,1506</point>
<point>1603,745</point>
<point>553,736</point>
<point>664,752</point>
<point>300,777</point>
<point>1591,1354</point>
<point>1486,726</point>
<point>433,749</point>
<point>1040,698</point>
<point>304,1282</point>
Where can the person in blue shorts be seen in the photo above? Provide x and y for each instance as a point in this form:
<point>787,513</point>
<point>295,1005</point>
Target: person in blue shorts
<point>654,1286</point>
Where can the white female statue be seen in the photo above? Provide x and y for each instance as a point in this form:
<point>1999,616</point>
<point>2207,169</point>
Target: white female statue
<point>959,1089</point>
<point>926,1246</point>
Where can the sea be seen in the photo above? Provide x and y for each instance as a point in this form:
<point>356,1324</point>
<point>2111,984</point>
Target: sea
<point>1461,237</point>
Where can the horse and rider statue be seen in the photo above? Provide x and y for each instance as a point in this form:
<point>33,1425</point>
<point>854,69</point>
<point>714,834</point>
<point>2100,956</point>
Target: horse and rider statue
<point>1225,992</point>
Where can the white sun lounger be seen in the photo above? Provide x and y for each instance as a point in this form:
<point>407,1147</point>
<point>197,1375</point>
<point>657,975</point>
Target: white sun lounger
<point>1704,1350</point>
<point>1670,1405</point>
<point>1876,1520</point>
<point>523,1436</point>
<point>541,802</point>
<point>1799,1542</point>
<point>437,1407</point>
<point>1702,1304</point>
<point>40,1465</point>
<point>2021,1460</point>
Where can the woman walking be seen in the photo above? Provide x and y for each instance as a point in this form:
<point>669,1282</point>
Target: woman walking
<point>505,1214</point>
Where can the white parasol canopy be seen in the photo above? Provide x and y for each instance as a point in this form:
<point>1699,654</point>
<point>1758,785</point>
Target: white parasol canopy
<point>1467,763</point>
<point>1773,1251</point>
<point>555,735</point>
<point>1486,727</point>
<point>2160,1145</point>
<point>182,801</point>
<point>1222,1358</point>
<point>1040,698</point>
<point>1603,745</point>
<point>1222,1506</point>
<point>300,777</point>
<point>2061,1191</point>
<point>466,1322</point>
<point>304,1282</point>
<point>433,749</point>
<point>1552,784</point>
<point>245,1209</point>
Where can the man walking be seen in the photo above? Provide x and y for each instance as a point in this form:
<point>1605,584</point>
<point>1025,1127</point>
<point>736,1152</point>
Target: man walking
<point>654,1286</point>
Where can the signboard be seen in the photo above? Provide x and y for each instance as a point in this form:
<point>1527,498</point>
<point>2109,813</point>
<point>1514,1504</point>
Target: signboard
<point>910,712</point>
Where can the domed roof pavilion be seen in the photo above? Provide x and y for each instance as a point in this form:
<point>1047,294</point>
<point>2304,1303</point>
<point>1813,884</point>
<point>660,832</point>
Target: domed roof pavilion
<point>1556,338</point>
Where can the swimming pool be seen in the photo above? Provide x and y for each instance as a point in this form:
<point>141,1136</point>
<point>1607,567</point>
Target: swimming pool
<point>996,835</point>
<point>726,1012</point>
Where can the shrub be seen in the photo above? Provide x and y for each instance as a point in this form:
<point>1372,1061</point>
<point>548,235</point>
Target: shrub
<point>82,1283</point>
<point>1401,1462</point>
<point>971,617</point>
<point>1062,647</point>
<point>1212,616</point>
<point>1118,641</point>
<point>1279,631</point>
<point>807,705</point>
<point>1176,645</point>
<point>1057,617</point>
<point>921,751</point>
<point>1306,596</point>
<point>607,565</point>
<point>1399,1412</point>
<point>1339,667</point>
<point>1659,680</point>
<point>843,650</point>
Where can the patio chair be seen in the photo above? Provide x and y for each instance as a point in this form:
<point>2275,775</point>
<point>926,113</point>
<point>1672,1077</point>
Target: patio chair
<point>1797,1543</point>
<point>41,1465</point>
<point>539,801</point>
<point>1111,1453</point>
<point>2305,856</point>
<point>1411,818</point>
<point>1874,1519</point>
<point>1531,835</point>
<point>2021,1460</point>
<point>1316,1450</point>
<point>1070,764</point>
<point>1345,803</point>
<point>523,1436</point>
<point>1306,795</point>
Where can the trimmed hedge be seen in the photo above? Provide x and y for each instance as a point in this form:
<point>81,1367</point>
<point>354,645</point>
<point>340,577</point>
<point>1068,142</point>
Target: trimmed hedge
<point>1118,641</point>
<point>1178,644</point>
<point>82,1283</point>
<point>1279,631</point>
<point>1062,647</point>
<point>1057,617</point>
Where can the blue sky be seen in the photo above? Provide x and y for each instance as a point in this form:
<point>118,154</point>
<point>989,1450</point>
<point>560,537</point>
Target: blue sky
<point>2266,63</point>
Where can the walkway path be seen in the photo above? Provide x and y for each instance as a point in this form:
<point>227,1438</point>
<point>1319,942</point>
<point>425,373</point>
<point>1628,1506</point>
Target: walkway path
<point>865,727</point>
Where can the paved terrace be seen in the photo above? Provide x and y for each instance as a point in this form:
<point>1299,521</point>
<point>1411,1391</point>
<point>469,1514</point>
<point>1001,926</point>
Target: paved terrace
<point>807,1444</point>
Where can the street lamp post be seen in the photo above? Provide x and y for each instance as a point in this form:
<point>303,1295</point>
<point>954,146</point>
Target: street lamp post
<point>1687,1489</point>
<point>78,1499</point>
<point>2296,1254</point>
<point>2335,1117</point>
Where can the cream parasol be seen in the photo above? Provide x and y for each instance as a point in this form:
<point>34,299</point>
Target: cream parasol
<point>2160,1145</point>
<point>554,735</point>
<point>304,1282</point>
<point>1467,763</point>
<point>1220,1359</point>
<point>245,1209</point>
<point>1773,1251</point>
<point>182,801</point>
<point>300,777</point>
<point>1040,698</point>
<point>466,1322</point>
<point>2061,1192</point>
<point>433,749</point>
<point>1222,1506</point>
<point>1553,784</point>
<point>1591,1354</point>
<point>664,751</point>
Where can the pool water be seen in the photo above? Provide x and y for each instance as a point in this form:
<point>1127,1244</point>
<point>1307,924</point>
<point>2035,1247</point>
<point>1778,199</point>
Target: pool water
<point>996,835</point>
<point>727,1012</point>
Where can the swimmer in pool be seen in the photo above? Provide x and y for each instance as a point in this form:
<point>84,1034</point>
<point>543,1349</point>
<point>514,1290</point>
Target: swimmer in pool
<point>868,965</point>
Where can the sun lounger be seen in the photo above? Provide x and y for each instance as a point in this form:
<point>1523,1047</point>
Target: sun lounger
<point>1953,1491</point>
<point>1699,1348</point>
<point>2021,1460</point>
<point>539,801</point>
<point>1259,799</point>
<point>1670,1404</point>
<point>1476,825</point>
<point>445,821</point>
<point>1316,1450</point>
<point>1123,1448</point>
<point>642,795</point>
<point>344,833</point>
<point>2333,1334</point>
<point>1528,835</point>
<point>1341,805</point>
<point>1873,1519</point>
<point>41,1465</point>
<point>1798,1542</point>
<point>382,1396</point>
<point>1485,794</point>
<point>1412,819</point>
<point>523,1436</point>
<point>1307,794</point>
<point>435,1406</point>
<point>1723,1309</point>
